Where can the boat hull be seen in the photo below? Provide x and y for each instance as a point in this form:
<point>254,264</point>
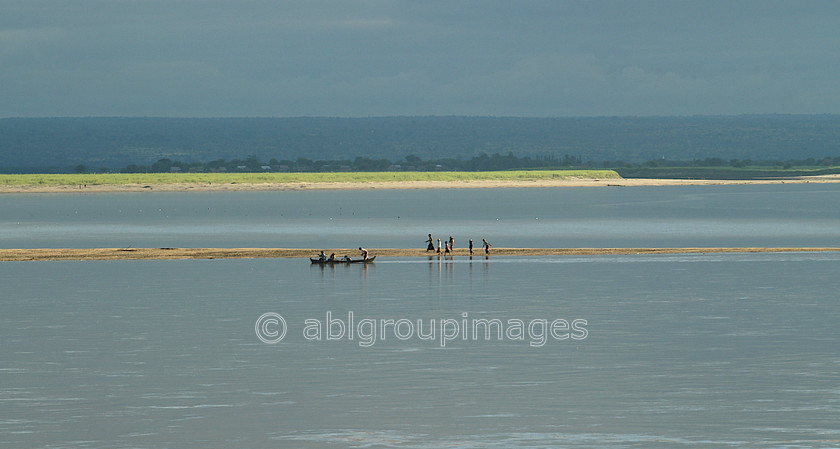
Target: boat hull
<point>339,261</point>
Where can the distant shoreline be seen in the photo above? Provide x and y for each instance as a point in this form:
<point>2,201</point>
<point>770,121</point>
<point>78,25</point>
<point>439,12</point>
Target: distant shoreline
<point>392,185</point>
<point>56,254</point>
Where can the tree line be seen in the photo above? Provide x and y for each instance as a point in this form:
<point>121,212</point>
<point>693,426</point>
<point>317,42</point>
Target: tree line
<point>483,162</point>
<point>57,145</point>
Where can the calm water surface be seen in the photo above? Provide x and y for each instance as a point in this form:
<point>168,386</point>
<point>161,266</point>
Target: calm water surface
<point>682,351</point>
<point>769,215</point>
<point>729,350</point>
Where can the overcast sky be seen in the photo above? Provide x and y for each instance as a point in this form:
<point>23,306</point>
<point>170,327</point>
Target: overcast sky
<point>278,58</point>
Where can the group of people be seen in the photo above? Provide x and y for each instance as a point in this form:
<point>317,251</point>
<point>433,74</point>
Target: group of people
<point>449,246</point>
<point>323,256</point>
<point>447,249</point>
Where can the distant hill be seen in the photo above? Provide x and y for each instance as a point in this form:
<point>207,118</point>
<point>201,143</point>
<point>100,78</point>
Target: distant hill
<point>54,144</point>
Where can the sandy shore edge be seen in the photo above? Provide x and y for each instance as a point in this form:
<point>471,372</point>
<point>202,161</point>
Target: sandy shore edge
<point>568,182</point>
<point>47,254</point>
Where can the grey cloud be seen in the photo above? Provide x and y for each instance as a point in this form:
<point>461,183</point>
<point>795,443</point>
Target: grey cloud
<point>533,58</point>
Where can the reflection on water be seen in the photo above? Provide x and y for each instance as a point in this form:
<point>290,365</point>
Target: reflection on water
<point>691,350</point>
<point>769,215</point>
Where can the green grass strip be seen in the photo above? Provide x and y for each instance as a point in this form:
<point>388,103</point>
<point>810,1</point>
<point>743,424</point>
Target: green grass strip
<point>283,178</point>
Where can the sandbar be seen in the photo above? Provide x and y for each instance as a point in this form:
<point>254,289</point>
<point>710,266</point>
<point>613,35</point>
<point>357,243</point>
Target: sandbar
<point>55,254</point>
<point>473,184</point>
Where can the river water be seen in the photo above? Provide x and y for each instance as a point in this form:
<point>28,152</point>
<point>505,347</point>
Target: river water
<point>762,215</point>
<point>701,350</point>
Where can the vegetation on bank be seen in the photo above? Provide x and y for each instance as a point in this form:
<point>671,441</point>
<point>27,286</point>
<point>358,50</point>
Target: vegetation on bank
<point>682,172</point>
<point>709,168</point>
<point>75,179</point>
<point>726,173</point>
<point>253,164</point>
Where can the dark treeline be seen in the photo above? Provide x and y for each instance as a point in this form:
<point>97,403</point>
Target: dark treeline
<point>482,162</point>
<point>60,144</point>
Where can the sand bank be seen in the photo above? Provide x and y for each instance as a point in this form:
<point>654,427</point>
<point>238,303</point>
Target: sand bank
<point>44,254</point>
<point>478,184</point>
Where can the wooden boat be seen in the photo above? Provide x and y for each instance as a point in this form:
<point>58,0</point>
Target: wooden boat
<point>337,261</point>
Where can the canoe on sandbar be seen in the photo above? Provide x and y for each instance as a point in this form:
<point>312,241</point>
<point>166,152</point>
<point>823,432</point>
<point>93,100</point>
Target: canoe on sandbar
<point>331,262</point>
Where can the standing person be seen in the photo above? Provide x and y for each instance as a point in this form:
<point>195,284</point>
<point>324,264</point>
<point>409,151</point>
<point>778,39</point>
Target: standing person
<point>471,247</point>
<point>438,248</point>
<point>364,253</point>
<point>486,246</point>
<point>446,251</point>
<point>431,242</point>
<point>451,243</point>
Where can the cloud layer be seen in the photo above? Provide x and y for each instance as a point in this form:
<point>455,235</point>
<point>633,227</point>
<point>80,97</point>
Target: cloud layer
<point>374,58</point>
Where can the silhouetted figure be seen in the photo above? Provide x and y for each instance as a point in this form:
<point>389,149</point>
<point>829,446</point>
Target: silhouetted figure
<point>486,246</point>
<point>431,243</point>
<point>471,247</point>
<point>364,253</point>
